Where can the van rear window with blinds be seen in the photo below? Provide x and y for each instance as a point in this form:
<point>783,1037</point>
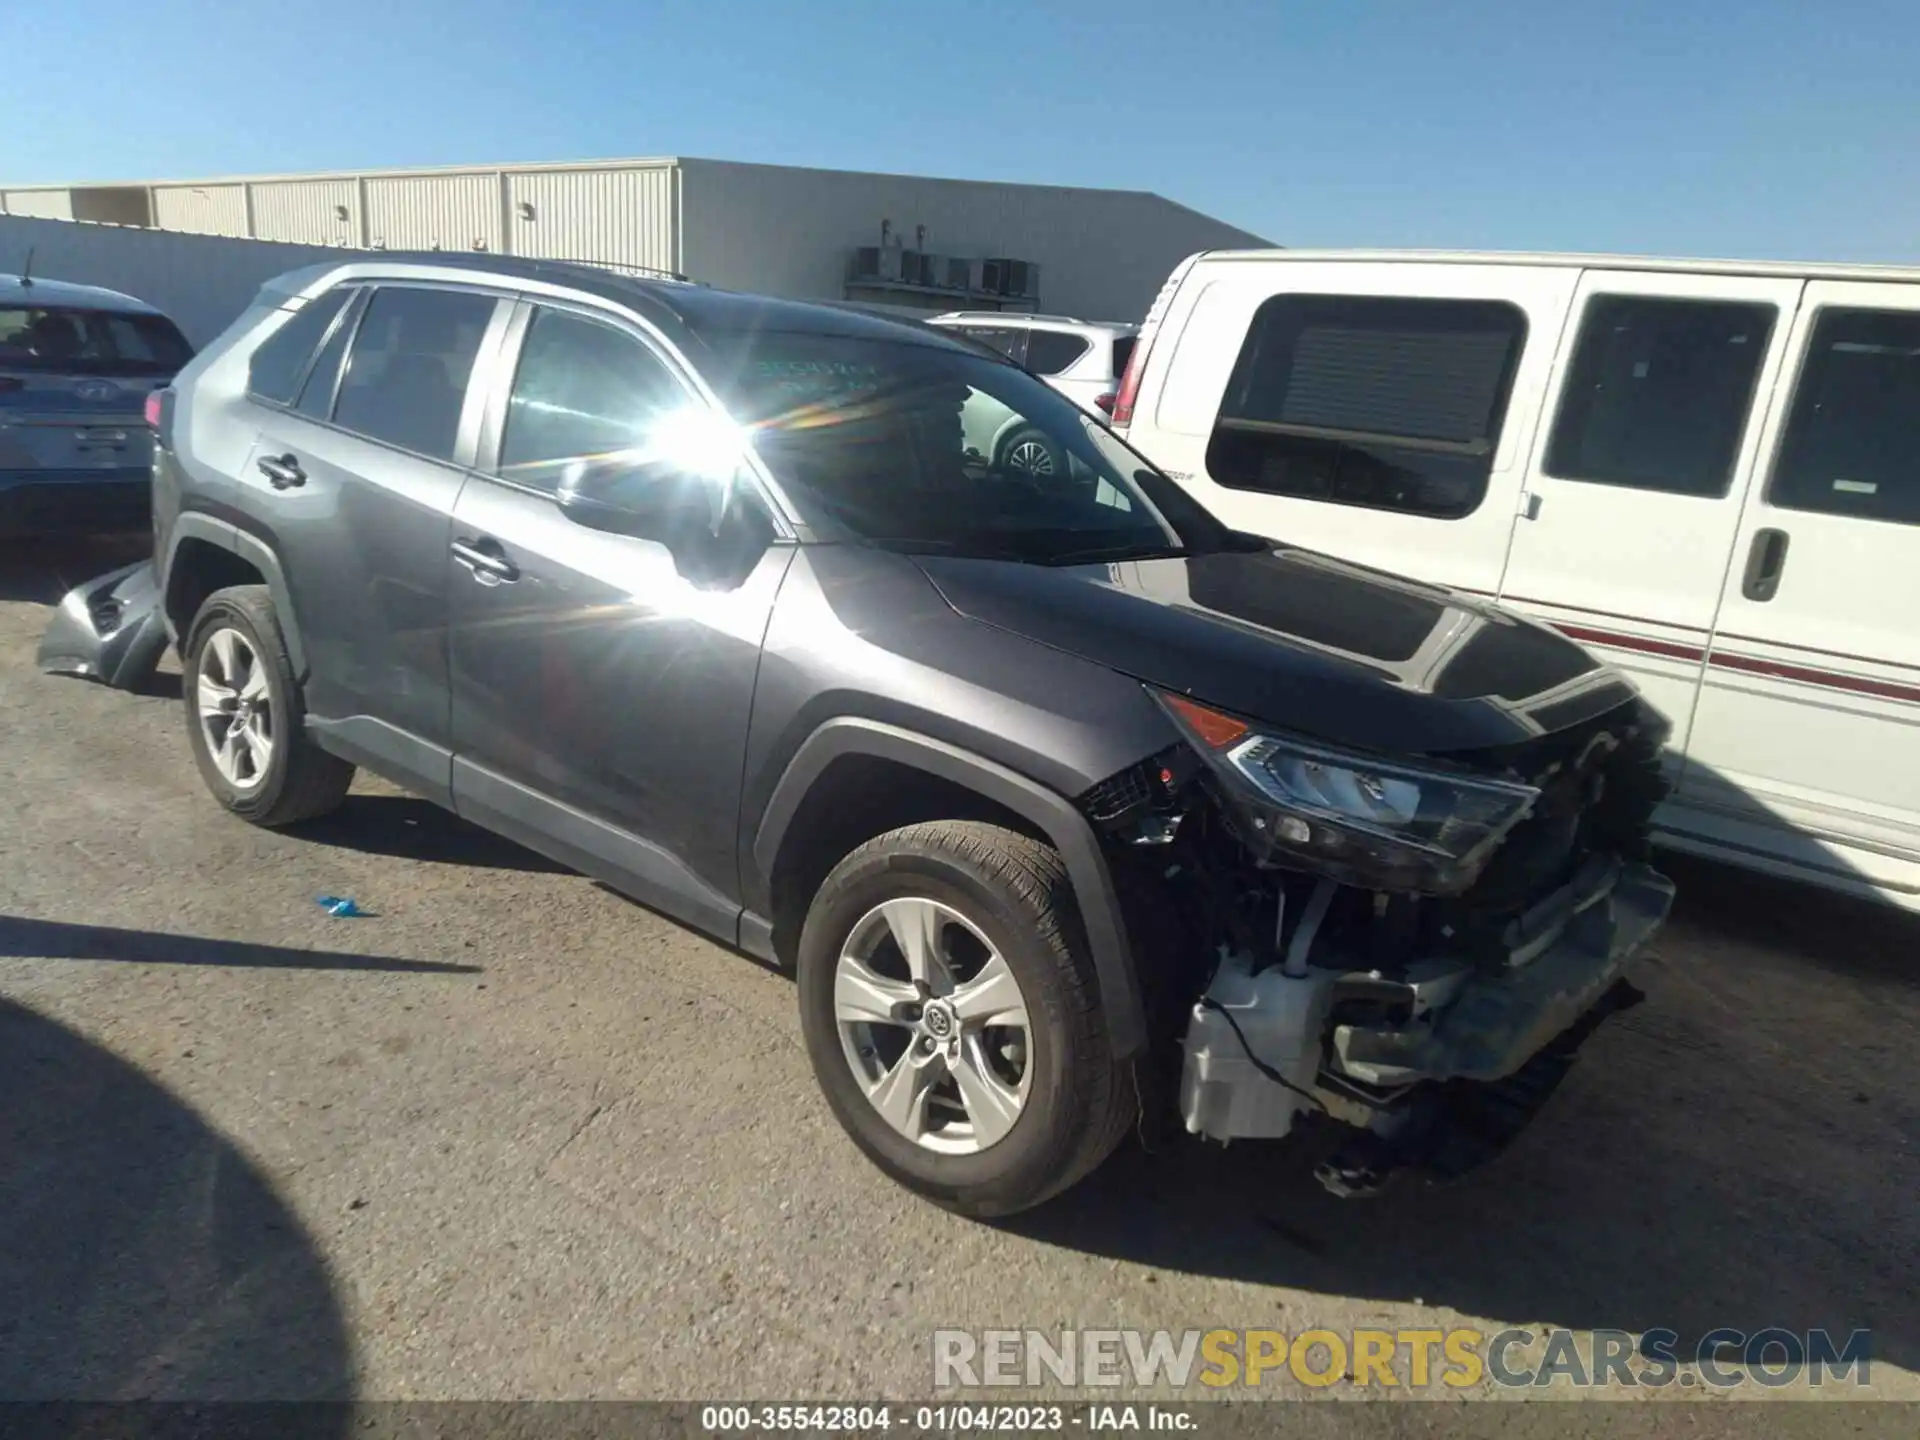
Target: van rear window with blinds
<point>1382,402</point>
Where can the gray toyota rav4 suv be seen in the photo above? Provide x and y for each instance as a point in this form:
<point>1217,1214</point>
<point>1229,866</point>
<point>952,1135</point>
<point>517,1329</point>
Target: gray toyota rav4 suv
<point>1069,806</point>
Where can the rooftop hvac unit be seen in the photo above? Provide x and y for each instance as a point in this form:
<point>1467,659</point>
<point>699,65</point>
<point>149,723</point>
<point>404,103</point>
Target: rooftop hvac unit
<point>1016,279</point>
<point>959,274</point>
<point>916,268</point>
<point>874,263</point>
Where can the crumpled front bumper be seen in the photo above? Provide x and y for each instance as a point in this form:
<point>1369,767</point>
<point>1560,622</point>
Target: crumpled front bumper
<point>111,629</point>
<point>1499,1022</point>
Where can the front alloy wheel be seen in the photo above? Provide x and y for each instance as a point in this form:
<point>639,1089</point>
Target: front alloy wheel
<point>953,1019</point>
<point>933,1024</point>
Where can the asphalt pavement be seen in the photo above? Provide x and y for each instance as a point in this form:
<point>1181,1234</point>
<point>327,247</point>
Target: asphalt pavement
<point>511,1136</point>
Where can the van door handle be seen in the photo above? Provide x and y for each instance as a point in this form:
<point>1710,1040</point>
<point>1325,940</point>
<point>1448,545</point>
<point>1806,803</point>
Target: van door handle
<point>1765,560</point>
<point>487,560</point>
<point>282,472</point>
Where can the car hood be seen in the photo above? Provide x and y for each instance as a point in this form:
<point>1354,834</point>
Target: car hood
<point>1303,642</point>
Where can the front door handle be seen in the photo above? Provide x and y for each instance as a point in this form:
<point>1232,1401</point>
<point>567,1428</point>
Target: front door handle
<point>1765,560</point>
<point>487,560</point>
<point>283,472</point>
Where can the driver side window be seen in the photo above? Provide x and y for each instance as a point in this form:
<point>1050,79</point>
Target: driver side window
<point>582,390</point>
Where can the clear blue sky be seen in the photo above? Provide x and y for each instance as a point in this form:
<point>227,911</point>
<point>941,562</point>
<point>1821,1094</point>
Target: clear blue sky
<point>1774,128</point>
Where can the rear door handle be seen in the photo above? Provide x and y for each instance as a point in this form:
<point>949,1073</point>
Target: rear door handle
<point>283,472</point>
<point>1765,560</point>
<point>487,560</point>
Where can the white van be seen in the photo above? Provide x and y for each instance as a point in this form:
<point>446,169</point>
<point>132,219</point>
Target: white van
<point>1708,472</point>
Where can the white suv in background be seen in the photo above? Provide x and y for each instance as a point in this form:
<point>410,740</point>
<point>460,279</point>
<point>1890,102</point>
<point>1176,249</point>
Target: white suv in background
<point>1082,359</point>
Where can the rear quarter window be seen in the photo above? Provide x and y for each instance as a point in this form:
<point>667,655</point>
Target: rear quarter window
<point>1051,351</point>
<point>280,362</point>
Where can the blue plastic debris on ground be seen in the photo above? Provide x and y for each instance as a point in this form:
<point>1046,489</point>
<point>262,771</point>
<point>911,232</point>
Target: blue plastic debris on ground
<point>340,905</point>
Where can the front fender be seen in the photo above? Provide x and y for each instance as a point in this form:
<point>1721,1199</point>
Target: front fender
<point>1053,814</point>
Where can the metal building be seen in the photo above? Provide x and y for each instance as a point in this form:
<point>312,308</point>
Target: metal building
<point>902,240</point>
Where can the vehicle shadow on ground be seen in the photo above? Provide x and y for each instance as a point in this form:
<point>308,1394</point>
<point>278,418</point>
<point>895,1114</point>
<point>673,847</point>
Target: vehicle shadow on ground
<point>1743,1150</point>
<point>141,1255</point>
<point>58,940</point>
<point>409,828</point>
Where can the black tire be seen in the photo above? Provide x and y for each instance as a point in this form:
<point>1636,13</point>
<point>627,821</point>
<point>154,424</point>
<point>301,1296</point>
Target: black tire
<point>1029,436</point>
<point>300,781</point>
<point>1080,1102</point>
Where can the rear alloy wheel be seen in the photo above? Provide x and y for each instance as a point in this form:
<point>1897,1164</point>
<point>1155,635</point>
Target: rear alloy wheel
<point>245,718</point>
<point>236,709</point>
<point>953,1020</point>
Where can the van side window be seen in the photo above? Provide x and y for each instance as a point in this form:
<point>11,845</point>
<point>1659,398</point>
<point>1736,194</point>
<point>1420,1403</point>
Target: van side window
<point>1657,395</point>
<point>1854,429</point>
<point>1383,402</point>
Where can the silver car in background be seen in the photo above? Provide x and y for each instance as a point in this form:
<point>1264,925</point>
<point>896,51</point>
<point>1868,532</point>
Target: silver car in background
<point>77,364</point>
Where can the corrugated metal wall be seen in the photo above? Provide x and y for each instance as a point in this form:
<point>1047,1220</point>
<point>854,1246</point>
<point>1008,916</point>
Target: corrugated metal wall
<point>202,281</point>
<point>311,212</point>
<point>46,204</point>
<point>201,209</point>
<point>613,215</point>
<point>1103,254</point>
<point>427,212</point>
<point>626,214</point>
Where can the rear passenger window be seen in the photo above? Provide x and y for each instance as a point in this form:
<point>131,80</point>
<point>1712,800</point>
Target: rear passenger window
<point>1387,403</point>
<point>1051,351</point>
<point>406,379</point>
<point>276,367</point>
<point>1657,395</point>
<point>1122,353</point>
<point>582,390</point>
<point>1853,434</point>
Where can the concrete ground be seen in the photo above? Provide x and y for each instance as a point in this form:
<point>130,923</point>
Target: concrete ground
<point>512,1136</point>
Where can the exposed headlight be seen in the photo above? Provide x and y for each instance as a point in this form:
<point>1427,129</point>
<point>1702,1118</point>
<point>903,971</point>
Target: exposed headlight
<point>1372,822</point>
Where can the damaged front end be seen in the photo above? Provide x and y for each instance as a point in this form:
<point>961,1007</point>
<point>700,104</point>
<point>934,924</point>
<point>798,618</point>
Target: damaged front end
<point>1412,952</point>
<point>111,629</point>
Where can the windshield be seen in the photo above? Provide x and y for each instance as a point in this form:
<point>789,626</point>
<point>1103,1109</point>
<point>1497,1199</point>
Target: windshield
<point>927,448</point>
<point>89,342</point>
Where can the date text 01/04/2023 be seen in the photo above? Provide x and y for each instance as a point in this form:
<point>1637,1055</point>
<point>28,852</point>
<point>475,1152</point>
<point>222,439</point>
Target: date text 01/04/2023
<point>938,1419</point>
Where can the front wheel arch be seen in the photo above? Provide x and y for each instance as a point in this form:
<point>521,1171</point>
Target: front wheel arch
<point>1037,811</point>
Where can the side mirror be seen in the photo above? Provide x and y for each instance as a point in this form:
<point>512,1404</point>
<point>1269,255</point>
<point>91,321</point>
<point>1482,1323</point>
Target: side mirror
<point>649,500</point>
